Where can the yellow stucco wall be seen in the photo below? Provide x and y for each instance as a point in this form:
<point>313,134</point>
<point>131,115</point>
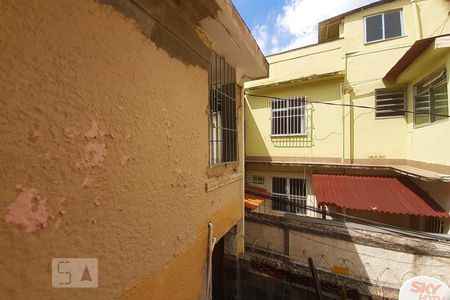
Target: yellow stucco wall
<point>428,142</point>
<point>93,126</point>
<point>319,141</point>
<point>292,65</point>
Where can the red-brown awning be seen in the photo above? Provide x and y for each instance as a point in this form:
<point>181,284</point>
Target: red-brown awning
<point>380,194</point>
<point>409,57</point>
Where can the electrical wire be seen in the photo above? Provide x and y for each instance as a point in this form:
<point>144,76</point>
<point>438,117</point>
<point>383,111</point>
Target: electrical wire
<point>166,28</point>
<point>267,222</point>
<point>345,217</point>
<point>352,105</point>
<point>442,25</point>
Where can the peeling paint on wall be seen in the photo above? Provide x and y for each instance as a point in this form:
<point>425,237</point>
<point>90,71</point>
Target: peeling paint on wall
<point>72,132</point>
<point>125,159</point>
<point>29,211</point>
<point>88,182</point>
<point>93,132</point>
<point>94,154</point>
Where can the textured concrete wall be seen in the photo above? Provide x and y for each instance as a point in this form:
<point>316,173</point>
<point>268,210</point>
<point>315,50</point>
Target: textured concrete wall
<point>365,261</point>
<point>104,154</point>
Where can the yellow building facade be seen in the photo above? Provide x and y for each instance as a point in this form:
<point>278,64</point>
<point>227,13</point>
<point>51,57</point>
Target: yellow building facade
<point>363,112</point>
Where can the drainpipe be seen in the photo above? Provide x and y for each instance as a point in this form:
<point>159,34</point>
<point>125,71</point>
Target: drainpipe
<point>417,21</point>
<point>211,243</point>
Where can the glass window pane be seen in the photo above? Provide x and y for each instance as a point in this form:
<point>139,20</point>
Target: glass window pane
<point>297,187</point>
<point>279,185</point>
<point>440,101</point>
<point>422,108</point>
<point>392,24</point>
<point>374,28</point>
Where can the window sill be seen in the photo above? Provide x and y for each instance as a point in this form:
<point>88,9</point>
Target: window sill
<point>430,123</point>
<point>215,184</point>
<point>393,117</point>
<point>228,164</point>
<point>384,40</point>
<point>289,135</point>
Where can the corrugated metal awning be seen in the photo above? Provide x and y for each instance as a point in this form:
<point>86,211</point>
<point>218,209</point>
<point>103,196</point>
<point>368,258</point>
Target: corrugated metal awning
<point>380,194</point>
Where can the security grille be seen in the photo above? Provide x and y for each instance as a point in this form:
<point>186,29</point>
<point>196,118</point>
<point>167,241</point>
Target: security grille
<point>222,111</point>
<point>289,194</point>
<point>435,225</point>
<point>390,102</point>
<point>258,180</point>
<point>288,116</point>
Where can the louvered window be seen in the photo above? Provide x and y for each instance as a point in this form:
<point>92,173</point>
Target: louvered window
<point>431,98</point>
<point>390,102</point>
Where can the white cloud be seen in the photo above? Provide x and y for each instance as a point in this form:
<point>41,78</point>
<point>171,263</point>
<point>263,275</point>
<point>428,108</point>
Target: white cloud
<point>296,24</point>
<point>261,36</point>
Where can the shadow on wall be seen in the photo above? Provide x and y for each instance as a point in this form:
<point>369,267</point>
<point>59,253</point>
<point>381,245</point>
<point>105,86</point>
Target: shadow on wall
<point>300,238</point>
<point>375,262</point>
<point>254,140</point>
<point>300,141</point>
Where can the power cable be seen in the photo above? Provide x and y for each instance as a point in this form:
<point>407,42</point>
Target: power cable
<point>353,105</point>
<point>442,25</point>
<point>345,217</point>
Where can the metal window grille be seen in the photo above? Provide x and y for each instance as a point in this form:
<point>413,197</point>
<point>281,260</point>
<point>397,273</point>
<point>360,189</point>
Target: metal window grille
<point>435,225</point>
<point>288,116</point>
<point>259,180</point>
<point>390,102</point>
<point>431,97</point>
<point>289,195</point>
<point>222,111</point>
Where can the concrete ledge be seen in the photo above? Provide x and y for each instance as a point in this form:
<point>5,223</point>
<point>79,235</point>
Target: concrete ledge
<point>340,231</point>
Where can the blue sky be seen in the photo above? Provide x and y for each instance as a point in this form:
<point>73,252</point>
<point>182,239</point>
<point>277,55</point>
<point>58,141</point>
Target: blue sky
<point>280,25</point>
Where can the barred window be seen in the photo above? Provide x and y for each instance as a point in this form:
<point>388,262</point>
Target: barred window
<point>289,194</point>
<point>288,116</point>
<point>431,98</point>
<point>222,111</point>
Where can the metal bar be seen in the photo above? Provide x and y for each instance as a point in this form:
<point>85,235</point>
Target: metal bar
<point>315,278</point>
<point>216,144</point>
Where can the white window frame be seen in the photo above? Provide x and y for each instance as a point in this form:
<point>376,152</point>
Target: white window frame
<point>258,179</point>
<point>303,116</point>
<point>402,26</point>
<point>432,103</point>
<point>301,200</point>
<point>223,133</point>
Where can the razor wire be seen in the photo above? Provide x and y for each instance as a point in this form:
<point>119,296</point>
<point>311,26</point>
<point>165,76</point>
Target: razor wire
<point>380,278</point>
